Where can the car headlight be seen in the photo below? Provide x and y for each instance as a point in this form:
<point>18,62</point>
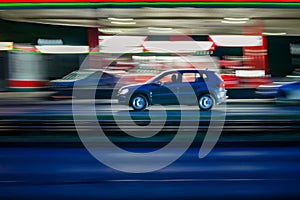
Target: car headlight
<point>124,91</point>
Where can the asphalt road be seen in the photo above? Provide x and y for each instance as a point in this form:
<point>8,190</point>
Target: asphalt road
<point>242,108</point>
<point>54,121</point>
<point>257,156</point>
<point>226,173</point>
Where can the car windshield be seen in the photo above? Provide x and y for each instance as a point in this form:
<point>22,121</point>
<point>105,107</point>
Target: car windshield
<point>77,75</point>
<point>155,78</point>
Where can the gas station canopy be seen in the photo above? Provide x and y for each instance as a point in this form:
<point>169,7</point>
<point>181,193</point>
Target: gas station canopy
<point>187,17</point>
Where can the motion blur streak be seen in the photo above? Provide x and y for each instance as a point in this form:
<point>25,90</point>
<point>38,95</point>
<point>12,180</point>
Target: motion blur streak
<point>272,172</point>
<point>257,155</point>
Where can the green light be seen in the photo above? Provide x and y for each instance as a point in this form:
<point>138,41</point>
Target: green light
<point>150,4</point>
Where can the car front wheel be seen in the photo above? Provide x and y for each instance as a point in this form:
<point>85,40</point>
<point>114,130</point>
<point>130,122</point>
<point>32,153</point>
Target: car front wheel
<point>139,102</point>
<point>206,102</point>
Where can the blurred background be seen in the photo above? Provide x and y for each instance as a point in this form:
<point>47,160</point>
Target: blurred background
<point>46,47</point>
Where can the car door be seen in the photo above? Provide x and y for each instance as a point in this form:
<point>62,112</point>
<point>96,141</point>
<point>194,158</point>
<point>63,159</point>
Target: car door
<point>165,92</point>
<point>191,83</point>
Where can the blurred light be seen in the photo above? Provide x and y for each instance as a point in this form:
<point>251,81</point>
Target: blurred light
<point>293,76</point>
<point>41,41</point>
<point>118,63</point>
<point>6,46</point>
<point>176,46</point>
<point>295,49</point>
<point>109,31</point>
<point>233,22</point>
<point>250,73</point>
<point>256,52</point>
<point>25,47</point>
<point>121,49</point>
<point>63,49</point>
<point>160,29</point>
<point>270,86</point>
<point>124,91</point>
<point>173,59</point>
<point>121,41</point>
<point>144,58</point>
<point>236,19</point>
<point>120,19</point>
<point>236,40</point>
<point>121,44</point>
<point>123,22</point>
<point>279,33</point>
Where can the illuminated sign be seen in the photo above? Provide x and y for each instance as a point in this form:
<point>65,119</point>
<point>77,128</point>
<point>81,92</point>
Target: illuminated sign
<point>62,49</point>
<point>50,41</point>
<point>295,49</point>
<point>4,46</point>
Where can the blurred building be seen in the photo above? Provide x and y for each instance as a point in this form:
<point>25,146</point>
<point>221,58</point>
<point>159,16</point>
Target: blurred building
<point>43,35</point>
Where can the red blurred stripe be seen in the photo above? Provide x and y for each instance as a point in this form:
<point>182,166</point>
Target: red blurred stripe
<point>26,83</point>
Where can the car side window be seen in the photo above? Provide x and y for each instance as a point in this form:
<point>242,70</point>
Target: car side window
<point>191,77</point>
<point>169,78</point>
<point>201,77</point>
<point>204,76</point>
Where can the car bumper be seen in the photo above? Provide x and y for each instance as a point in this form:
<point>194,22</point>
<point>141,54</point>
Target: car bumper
<point>123,99</point>
<point>221,97</point>
<point>222,100</point>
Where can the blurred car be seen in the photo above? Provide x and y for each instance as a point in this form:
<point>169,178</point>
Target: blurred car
<point>286,89</point>
<point>186,86</point>
<point>85,80</point>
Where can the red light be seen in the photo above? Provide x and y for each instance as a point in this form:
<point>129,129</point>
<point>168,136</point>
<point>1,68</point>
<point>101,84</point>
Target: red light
<point>221,85</point>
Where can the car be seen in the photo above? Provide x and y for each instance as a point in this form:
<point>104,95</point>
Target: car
<point>86,80</point>
<point>286,89</point>
<point>180,86</point>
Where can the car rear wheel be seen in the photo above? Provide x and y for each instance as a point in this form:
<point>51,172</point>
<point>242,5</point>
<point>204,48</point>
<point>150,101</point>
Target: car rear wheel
<point>139,102</point>
<point>206,102</point>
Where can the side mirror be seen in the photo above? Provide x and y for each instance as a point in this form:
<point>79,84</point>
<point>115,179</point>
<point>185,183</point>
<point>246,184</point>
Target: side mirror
<point>157,83</point>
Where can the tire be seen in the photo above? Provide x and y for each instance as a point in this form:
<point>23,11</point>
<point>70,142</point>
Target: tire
<point>139,102</point>
<point>206,102</point>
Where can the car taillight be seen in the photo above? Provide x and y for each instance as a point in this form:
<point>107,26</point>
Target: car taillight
<point>221,85</point>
